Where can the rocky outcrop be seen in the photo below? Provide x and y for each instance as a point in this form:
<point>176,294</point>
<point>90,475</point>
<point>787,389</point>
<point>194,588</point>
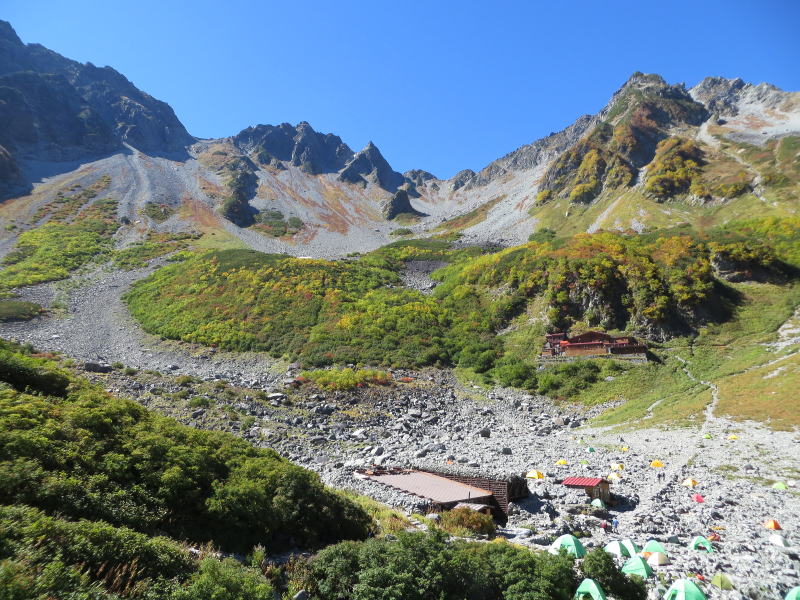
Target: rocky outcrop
<point>726,96</point>
<point>400,204</point>
<point>54,108</point>
<point>300,146</point>
<point>370,167</point>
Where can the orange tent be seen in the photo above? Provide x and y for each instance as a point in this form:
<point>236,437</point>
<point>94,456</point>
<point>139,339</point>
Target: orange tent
<point>772,524</point>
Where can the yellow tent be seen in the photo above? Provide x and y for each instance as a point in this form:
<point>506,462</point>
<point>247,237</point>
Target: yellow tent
<point>656,464</point>
<point>614,477</point>
<point>689,482</point>
<point>733,436</point>
<point>561,462</point>
<point>624,448</point>
<point>535,475</point>
<point>618,466</point>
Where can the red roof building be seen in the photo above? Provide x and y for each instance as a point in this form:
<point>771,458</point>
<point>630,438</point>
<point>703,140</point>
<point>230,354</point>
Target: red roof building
<point>595,487</point>
<point>590,343</point>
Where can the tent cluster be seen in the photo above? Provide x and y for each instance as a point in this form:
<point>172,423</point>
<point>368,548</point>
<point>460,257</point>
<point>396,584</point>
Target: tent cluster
<point>683,589</point>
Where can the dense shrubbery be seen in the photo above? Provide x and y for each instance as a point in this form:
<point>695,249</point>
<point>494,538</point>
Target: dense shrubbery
<point>49,557</point>
<point>155,245</point>
<point>346,379</point>
<point>465,522</point>
<point>458,571</point>
<point>158,212</point>
<point>18,310</point>
<point>272,222</point>
<point>51,251</point>
<point>353,311</point>
<point>675,168</point>
<point>84,454</point>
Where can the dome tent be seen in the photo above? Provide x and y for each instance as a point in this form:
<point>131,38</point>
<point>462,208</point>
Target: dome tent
<point>722,581</point>
<point>793,594</point>
<point>570,543</point>
<point>590,588</point>
<point>684,589</point>
<point>654,546</point>
<point>618,549</point>
<point>637,566</point>
<point>631,546</point>
<point>699,542</point>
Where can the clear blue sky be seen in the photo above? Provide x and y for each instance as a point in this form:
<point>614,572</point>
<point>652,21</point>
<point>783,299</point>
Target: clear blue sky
<point>440,86</point>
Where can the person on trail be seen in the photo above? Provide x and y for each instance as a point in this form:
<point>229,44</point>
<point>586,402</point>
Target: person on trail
<point>614,524</point>
<point>604,527</point>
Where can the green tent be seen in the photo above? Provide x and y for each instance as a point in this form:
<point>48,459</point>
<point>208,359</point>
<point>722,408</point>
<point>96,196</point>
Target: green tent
<point>637,566</point>
<point>722,581</point>
<point>794,594</point>
<point>699,542</point>
<point>598,503</point>
<point>684,589</point>
<point>654,546</point>
<point>590,449</point>
<point>779,485</point>
<point>589,587</point>
<point>571,544</point>
<point>584,462</point>
<point>707,436</point>
<point>631,546</point>
<point>619,549</point>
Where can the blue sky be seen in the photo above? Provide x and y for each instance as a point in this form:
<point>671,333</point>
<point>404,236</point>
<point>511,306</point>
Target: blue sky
<point>440,86</point>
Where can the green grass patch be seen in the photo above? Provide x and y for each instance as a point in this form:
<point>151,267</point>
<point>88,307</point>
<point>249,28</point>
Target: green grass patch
<point>346,379</point>
<point>470,219</point>
<point>158,212</point>
<point>18,310</point>
<point>52,251</point>
<point>155,245</point>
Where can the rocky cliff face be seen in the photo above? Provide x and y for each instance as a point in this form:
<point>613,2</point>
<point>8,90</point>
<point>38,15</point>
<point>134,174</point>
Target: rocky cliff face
<point>369,166</point>
<point>53,108</point>
<point>300,146</point>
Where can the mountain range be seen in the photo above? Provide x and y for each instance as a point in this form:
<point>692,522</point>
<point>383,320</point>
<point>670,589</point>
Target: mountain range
<point>657,155</point>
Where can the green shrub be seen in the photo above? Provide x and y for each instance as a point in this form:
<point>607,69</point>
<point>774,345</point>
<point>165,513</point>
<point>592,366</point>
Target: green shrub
<point>600,566</point>
<point>26,373</point>
<point>84,454</point>
<point>465,522</point>
<point>396,570</point>
<point>346,379</point>
<point>199,402</point>
<point>225,580</point>
<point>52,251</point>
<point>158,212</point>
<point>19,310</point>
<point>401,231</point>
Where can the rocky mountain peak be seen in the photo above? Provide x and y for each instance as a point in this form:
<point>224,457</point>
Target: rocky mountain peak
<point>8,34</point>
<point>369,166</point>
<point>298,145</point>
<point>55,108</point>
<point>728,96</point>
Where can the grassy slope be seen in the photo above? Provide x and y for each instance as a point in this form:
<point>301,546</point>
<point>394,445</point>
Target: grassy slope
<point>728,354</point>
<point>776,163</point>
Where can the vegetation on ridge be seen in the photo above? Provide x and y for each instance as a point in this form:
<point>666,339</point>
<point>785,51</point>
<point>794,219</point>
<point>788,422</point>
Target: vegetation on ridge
<point>660,286</point>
